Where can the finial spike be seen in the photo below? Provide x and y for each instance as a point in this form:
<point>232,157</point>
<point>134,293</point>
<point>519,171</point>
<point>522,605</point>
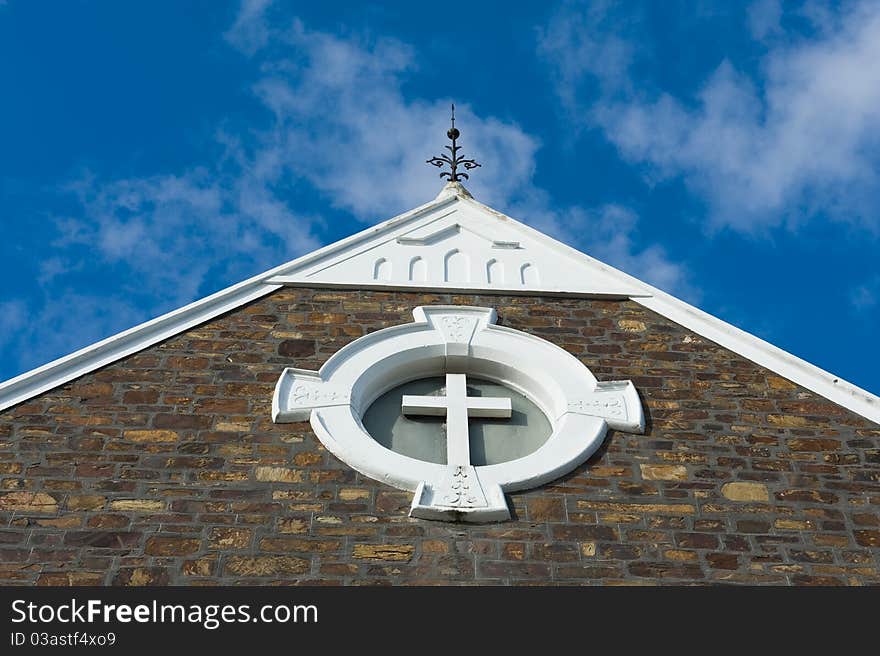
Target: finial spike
<point>455,161</point>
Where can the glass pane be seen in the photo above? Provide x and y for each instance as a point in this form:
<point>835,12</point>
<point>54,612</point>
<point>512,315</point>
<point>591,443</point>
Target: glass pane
<point>424,438</point>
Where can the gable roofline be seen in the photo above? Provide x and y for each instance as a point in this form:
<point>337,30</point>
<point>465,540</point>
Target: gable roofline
<point>90,358</point>
<point>58,372</point>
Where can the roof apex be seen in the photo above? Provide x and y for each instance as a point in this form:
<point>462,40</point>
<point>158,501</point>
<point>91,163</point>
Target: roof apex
<point>451,189</point>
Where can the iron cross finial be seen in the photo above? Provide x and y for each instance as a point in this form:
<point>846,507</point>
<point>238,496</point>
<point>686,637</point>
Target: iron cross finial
<point>455,161</point>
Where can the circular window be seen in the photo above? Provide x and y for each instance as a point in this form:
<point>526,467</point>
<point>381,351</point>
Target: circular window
<point>516,411</point>
<point>423,437</point>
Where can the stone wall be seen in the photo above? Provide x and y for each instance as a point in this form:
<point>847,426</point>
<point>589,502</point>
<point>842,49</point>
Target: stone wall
<point>165,468</point>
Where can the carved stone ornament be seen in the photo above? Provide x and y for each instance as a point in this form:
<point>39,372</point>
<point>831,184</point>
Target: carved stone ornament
<point>457,341</point>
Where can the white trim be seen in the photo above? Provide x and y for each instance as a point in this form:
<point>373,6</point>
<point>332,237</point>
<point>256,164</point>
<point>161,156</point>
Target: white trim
<point>459,288</point>
<point>60,371</point>
<point>801,372</point>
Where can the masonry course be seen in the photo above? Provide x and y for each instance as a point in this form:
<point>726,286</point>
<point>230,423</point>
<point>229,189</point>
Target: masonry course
<point>165,468</point>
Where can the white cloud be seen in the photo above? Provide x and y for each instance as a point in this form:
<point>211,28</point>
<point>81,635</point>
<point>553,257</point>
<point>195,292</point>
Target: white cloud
<point>865,296</point>
<point>36,333</point>
<point>799,140</point>
<point>169,231</point>
<point>765,18</point>
<point>340,122</point>
<point>13,318</point>
<point>250,31</point>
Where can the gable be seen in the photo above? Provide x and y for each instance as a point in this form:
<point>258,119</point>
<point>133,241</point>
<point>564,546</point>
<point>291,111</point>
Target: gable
<point>452,243</point>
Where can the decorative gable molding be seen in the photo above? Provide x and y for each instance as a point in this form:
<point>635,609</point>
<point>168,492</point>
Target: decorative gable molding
<point>452,243</point>
<point>463,246</point>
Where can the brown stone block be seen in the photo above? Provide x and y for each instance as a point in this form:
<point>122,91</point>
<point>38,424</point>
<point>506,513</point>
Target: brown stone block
<point>339,569</point>
<point>293,525</point>
<point>752,526</point>
<point>301,545</point>
<point>744,491</point>
<point>70,578</point>
<point>867,538</point>
<point>831,540</point>
<point>141,576</point>
<point>639,535</point>
<point>223,476</point>
<point>652,472</point>
<point>279,475</point>
<point>172,546</point>
<point>545,509</point>
<point>512,550</point>
<point>223,406</point>
<point>297,348</point>
<point>92,390</point>
<point>353,494</point>
<point>230,538</point>
<point>812,556</point>
<point>186,363</point>
<point>199,566</point>
<point>866,519</point>
<point>393,502</point>
<point>393,552</point>
<point>811,444</point>
<point>682,555</point>
<point>790,421</point>
<point>35,502</point>
<point>816,408</point>
<point>86,502</point>
<point>66,521</point>
<point>631,325</point>
<point>804,579</point>
<point>697,540</point>
<point>509,570</point>
<point>794,525</point>
<point>266,565</point>
<point>815,496</point>
<point>722,561</point>
<point>140,397</point>
<point>138,505</point>
<point>327,318</point>
<point>777,383</point>
<point>182,421</point>
<point>666,571</point>
<point>588,571</point>
<point>307,459</point>
<point>435,547</point>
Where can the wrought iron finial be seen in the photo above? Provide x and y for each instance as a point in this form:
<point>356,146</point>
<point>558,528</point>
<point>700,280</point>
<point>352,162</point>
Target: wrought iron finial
<point>455,161</point>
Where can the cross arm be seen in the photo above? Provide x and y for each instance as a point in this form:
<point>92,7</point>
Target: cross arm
<point>434,406</point>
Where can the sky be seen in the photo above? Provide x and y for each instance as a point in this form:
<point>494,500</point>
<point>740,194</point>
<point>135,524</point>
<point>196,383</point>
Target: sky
<point>153,153</point>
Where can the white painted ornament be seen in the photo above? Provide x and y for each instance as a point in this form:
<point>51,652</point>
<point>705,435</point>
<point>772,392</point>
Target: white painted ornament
<point>457,341</point>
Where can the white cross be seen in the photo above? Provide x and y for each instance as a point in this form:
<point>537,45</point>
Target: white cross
<point>457,407</point>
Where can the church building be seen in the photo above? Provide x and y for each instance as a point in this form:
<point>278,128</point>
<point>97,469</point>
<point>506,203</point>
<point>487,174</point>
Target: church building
<point>447,397</point>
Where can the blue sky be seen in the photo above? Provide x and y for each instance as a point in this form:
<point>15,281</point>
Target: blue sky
<point>153,153</point>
